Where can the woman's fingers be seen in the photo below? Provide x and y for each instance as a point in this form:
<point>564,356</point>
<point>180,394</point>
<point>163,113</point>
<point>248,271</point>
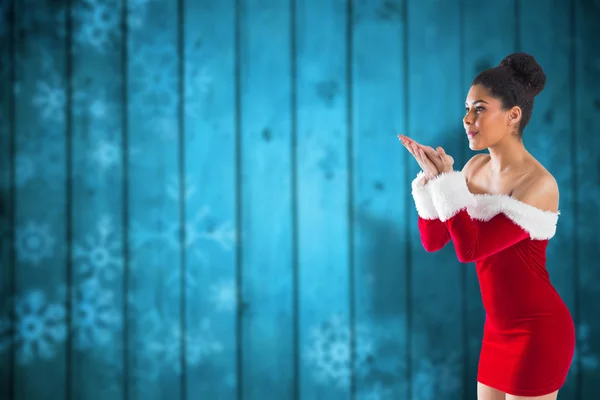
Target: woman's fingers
<point>426,156</point>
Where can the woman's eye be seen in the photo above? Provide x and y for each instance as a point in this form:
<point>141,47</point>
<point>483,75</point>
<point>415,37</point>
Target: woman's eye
<point>478,109</point>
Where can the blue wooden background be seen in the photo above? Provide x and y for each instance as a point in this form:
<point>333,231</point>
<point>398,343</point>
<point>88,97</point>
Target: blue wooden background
<point>207,199</point>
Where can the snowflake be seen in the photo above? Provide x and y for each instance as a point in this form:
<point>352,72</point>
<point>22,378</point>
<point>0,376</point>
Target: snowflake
<point>224,295</point>
<point>106,154</point>
<point>34,242</point>
<point>95,317</point>
<point>39,327</point>
<point>96,21</point>
<point>99,255</point>
<point>155,78</point>
<point>329,351</point>
<point>168,234</point>
<point>163,341</point>
<point>51,97</point>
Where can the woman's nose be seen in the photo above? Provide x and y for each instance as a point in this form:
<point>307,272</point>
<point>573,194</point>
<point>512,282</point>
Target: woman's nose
<point>468,119</point>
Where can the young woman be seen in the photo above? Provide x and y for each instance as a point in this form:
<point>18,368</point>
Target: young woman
<point>500,211</point>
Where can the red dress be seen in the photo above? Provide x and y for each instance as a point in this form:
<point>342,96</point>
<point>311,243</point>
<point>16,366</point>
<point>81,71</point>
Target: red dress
<point>529,335</point>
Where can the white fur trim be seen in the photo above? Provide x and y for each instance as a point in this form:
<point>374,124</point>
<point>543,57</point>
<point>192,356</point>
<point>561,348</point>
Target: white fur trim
<point>450,194</point>
<point>422,199</point>
<point>540,224</point>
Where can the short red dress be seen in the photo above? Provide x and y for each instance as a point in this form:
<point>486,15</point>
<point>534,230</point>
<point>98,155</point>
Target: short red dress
<point>529,336</point>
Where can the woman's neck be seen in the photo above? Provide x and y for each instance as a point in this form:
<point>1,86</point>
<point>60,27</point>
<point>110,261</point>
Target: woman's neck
<point>507,154</point>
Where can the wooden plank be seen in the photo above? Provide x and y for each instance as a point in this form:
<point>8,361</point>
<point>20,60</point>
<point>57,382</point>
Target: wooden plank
<point>7,163</point>
<point>585,185</point>
<point>323,193</point>
<point>157,345</point>
<point>434,72</point>
<point>267,269</point>
<point>479,55</point>
<point>210,196</point>
<point>545,33</point>
<point>380,198</point>
<point>97,207</point>
<point>41,220</point>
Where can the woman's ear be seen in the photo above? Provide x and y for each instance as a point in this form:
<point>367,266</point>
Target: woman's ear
<point>514,116</point>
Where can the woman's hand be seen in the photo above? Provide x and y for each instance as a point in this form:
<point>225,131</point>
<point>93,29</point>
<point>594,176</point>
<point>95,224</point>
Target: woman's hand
<point>431,161</point>
<point>418,152</point>
<point>446,160</point>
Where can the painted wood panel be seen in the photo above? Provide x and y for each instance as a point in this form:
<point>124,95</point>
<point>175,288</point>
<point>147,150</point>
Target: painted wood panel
<point>380,205</point>
<point>585,124</point>
<point>42,209</point>
<point>96,113</point>
<point>435,109</point>
<point>228,182</point>
<point>7,137</point>
<point>323,138</point>
<point>267,267</point>
<point>156,340</point>
<point>210,195</point>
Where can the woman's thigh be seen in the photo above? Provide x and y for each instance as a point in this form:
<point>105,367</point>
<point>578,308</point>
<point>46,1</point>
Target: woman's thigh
<point>551,396</point>
<point>485,392</point>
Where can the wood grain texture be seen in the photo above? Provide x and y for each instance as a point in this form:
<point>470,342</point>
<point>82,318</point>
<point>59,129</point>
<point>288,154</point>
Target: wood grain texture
<point>96,114</point>
<point>435,110</point>
<point>380,199</point>
<point>210,199</point>
<point>41,311</point>
<point>157,344</point>
<point>7,175</point>
<point>325,319</point>
<point>586,188</point>
<point>267,269</point>
<point>273,123</point>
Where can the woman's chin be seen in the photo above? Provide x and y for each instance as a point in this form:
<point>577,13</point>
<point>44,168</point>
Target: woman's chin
<point>475,146</point>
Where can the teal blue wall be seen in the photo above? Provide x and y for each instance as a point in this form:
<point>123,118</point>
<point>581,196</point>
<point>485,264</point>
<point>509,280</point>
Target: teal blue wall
<point>267,130</point>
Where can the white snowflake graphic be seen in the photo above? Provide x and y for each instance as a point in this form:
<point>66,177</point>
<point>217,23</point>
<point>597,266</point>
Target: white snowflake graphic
<point>40,327</point>
<point>95,316</point>
<point>34,242</point>
<point>106,154</point>
<point>329,351</point>
<point>99,255</point>
<point>223,295</point>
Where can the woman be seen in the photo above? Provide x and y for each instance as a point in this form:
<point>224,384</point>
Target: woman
<point>500,211</point>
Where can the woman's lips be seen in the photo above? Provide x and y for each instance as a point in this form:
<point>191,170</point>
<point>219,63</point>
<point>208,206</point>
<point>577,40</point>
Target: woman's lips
<point>470,134</point>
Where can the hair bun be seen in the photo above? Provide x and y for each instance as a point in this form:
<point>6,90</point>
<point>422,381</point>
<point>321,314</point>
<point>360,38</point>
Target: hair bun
<point>527,71</point>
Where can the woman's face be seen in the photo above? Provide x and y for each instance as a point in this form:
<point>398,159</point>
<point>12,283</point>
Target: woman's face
<point>485,122</point>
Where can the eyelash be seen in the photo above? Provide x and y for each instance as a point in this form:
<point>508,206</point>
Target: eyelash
<point>478,109</point>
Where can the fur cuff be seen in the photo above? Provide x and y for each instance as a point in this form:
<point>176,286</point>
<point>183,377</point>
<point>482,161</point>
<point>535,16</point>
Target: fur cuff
<point>450,194</point>
<point>422,199</point>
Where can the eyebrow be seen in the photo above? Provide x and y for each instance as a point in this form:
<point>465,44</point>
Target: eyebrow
<point>478,101</point>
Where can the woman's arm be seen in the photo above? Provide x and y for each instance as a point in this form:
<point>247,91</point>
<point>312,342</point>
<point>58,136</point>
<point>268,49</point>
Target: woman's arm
<point>433,232</point>
<point>507,222</point>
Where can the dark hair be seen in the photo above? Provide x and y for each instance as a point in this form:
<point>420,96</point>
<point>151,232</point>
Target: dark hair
<point>515,82</point>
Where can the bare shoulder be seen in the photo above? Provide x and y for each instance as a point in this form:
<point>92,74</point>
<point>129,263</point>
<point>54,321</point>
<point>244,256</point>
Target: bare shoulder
<point>474,163</point>
<point>540,190</point>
